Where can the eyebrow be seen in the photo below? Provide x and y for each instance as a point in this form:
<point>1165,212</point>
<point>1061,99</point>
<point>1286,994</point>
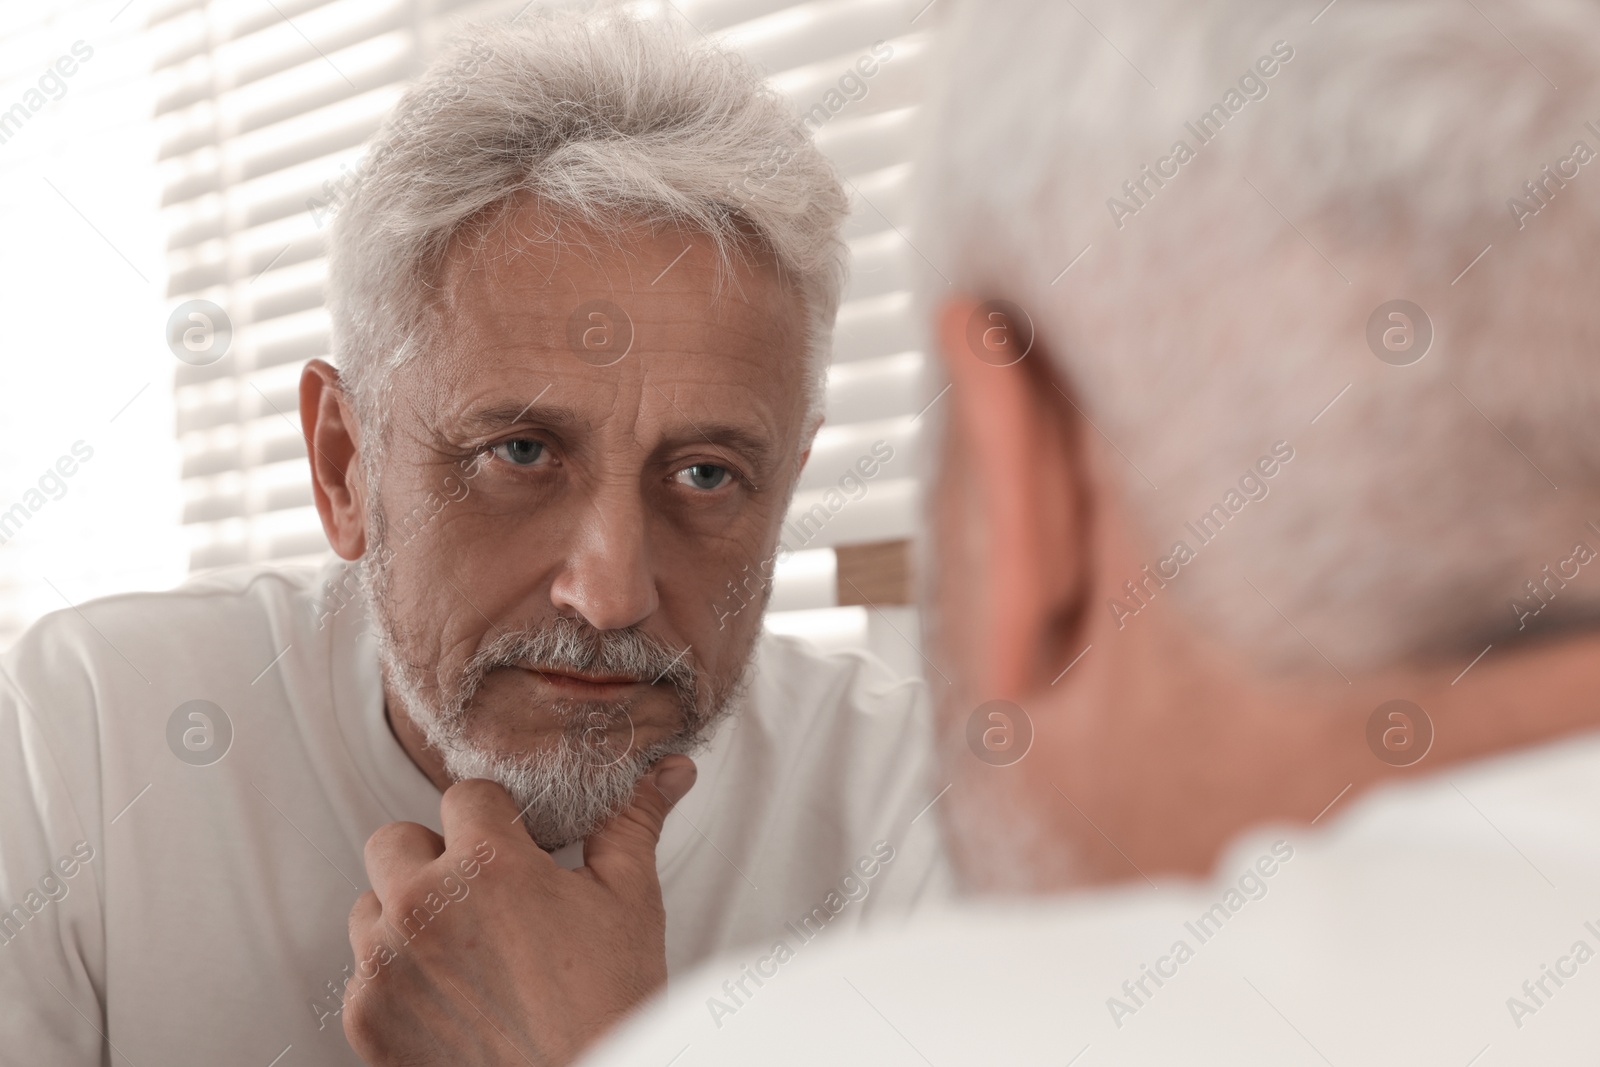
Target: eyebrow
<point>753,446</point>
<point>498,417</point>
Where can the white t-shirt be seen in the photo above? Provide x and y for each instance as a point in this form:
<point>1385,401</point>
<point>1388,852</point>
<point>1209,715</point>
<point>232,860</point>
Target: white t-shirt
<point>1402,935</point>
<point>190,909</point>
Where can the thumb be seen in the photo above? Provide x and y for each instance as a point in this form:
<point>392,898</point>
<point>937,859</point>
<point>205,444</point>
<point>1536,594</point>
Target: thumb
<point>626,846</point>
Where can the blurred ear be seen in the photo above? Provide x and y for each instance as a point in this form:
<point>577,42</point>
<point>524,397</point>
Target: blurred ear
<point>1013,507</point>
<point>331,434</point>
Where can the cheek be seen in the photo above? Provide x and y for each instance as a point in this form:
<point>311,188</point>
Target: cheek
<point>713,590</point>
<point>508,700</point>
<point>433,623</point>
<point>722,653</point>
<point>475,559</point>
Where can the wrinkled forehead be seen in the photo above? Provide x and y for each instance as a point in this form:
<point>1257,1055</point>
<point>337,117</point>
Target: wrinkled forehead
<point>630,316</point>
<point>544,258</point>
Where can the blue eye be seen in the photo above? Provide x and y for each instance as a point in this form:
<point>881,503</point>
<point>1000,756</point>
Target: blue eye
<point>704,476</point>
<point>521,452</point>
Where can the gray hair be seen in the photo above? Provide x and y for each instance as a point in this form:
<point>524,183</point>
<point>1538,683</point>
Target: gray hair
<point>1387,147</point>
<point>605,119</point>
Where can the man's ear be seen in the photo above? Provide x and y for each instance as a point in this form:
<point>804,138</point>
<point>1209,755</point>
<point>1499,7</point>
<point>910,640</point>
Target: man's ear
<point>332,444</point>
<point>1012,454</point>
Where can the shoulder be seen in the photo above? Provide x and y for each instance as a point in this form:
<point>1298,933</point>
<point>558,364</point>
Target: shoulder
<point>1539,796</point>
<point>1014,983</point>
<point>88,691</point>
<point>799,686</point>
<point>75,668</point>
<point>1418,911</point>
<point>137,633</point>
<point>844,715</point>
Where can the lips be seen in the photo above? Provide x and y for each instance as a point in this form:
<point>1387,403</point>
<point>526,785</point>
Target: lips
<point>579,678</point>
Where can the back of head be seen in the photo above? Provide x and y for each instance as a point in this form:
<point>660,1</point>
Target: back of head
<point>1248,186</point>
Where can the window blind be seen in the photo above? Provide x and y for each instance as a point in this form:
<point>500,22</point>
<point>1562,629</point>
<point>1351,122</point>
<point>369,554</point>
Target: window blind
<point>264,107</point>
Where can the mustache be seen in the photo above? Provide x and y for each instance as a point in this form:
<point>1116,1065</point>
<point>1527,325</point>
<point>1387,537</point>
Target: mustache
<point>571,645</point>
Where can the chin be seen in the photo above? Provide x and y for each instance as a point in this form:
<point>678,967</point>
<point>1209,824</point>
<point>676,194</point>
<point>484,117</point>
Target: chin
<point>565,790</point>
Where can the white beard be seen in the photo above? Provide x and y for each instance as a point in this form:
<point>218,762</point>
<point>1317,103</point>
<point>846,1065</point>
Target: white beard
<point>571,789</point>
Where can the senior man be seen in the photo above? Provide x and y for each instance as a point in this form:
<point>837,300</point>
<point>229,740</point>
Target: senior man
<point>1227,535</point>
<point>580,365</point>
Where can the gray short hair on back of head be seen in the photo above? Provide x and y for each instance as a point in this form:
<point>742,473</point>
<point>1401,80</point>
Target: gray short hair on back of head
<point>1392,141</point>
<point>606,119</point>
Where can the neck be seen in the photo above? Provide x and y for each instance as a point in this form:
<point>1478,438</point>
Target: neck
<point>1166,747</point>
<point>414,741</point>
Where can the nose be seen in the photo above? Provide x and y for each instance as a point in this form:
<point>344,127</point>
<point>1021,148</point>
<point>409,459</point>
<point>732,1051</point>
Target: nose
<point>607,578</point>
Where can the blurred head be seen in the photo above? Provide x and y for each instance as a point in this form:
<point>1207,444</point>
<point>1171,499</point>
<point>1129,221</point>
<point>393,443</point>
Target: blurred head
<point>577,382</point>
<point>1198,315</point>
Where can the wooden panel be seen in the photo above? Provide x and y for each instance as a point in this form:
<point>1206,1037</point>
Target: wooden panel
<point>877,574</point>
